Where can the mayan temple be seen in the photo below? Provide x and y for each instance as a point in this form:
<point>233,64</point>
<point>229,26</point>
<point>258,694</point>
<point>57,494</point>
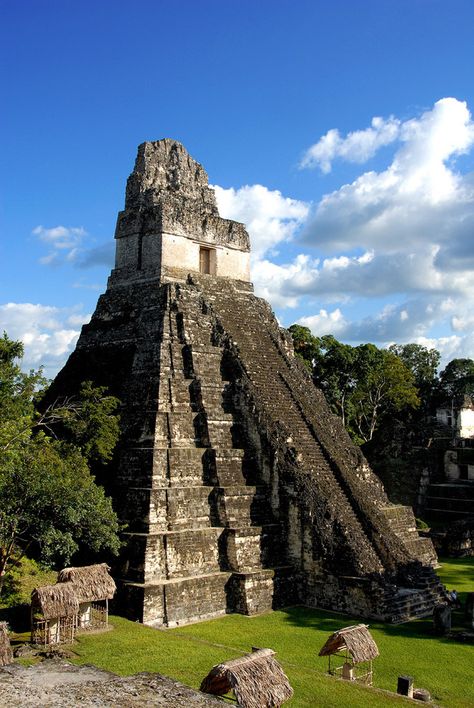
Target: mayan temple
<point>241,491</point>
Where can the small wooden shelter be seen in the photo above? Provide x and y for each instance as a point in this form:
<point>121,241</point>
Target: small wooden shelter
<point>94,587</point>
<point>257,680</point>
<point>356,647</point>
<point>6,654</point>
<point>54,611</point>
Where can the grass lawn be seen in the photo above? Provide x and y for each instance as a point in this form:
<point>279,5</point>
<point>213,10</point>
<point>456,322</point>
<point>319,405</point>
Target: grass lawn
<point>444,667</point>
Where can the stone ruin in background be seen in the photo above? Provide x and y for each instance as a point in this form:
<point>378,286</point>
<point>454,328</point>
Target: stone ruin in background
<point>240,489</point>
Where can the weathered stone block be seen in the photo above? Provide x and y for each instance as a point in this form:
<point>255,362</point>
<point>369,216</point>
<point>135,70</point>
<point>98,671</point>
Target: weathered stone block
<point>188,600</point>
<point>252,592</point>
<point>243,548</point>
<point>188,507</point>
<point>229,470</point>
<point>192,553</point>
<point>188,466</point>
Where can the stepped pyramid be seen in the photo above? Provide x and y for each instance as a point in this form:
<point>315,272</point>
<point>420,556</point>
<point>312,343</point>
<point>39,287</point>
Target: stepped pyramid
<point>240,489</point>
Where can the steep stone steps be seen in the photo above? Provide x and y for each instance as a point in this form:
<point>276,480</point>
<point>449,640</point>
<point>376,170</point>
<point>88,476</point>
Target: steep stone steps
<point>250,336</point>
<point>283,397</point>
<point>242,508</point>
<point>278,403</point>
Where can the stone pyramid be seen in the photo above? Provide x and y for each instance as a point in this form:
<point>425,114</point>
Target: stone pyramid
<point>240,489</point>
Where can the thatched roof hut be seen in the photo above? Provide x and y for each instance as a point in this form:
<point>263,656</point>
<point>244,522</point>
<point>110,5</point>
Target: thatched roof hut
<point>257,680</point>
<point>91,582</point>
<point>54,601</point>
<point>6,654</point>
<point>356,639</point>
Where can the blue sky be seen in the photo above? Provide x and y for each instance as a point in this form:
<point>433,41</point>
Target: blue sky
<point>340,132</point>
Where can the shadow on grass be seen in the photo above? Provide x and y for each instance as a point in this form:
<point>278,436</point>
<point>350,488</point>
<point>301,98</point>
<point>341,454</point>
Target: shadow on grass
<point>305,617</point>
<point>455,573</point>
<point>458,573</point>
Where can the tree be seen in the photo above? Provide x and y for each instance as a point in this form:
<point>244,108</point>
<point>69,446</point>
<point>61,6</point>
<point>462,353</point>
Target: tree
<point>49,499</point>
<point>363,385</point>
<point>89,422</point>
<point>335,372</point>
<point>456,379</point>
<point>423,363</point>
<point>384,386</point>
<point>306,346</point>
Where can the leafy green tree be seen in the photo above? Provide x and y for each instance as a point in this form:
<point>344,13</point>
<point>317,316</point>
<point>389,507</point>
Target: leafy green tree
<point>89,422</point>
<point>364,385</point>
<point>49,499</point>
<point>335,372</point>
<point>456,379</point>
<point>305,344</point>
<point>18,392</point>
<point>384,386</point>
<point>423,363</point>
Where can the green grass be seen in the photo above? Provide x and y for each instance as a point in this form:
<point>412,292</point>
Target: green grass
<point>445,667</point>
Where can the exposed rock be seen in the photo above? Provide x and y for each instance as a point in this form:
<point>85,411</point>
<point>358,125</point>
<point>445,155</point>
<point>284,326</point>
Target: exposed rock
<point>58,684</point>
<point>421,694</point>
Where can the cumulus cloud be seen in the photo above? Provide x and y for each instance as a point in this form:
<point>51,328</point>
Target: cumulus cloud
<point>409,321</point>
<point>357,146</point>
<point>418,199</point>
<point>396,244</point>
<point>325,322</point>
<point>450,347</point>
<point>270,217</point>
<point>48,333</point>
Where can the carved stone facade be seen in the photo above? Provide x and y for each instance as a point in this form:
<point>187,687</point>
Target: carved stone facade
<point>241,491</point>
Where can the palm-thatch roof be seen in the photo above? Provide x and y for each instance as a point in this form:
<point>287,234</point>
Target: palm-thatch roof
<point>356,639</point>
<point>91,582</point>
<point>54,601</point>
<point>257,680</point>
<point>6,654</point>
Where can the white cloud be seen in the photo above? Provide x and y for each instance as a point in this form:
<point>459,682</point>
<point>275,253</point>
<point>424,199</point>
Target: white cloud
<point>418,199</point>
<point>64,241</point>
<point>48,333</point>
<point>450,347</point>
<point>270,217</point>
<point>282,285</point>
<point>357,146</point>
<point>410,226</point>
<point>325,322</point>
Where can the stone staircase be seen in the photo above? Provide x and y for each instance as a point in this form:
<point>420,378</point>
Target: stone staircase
<point>405,604</point>
<point>268,372</point>
<point>252,536</point>
<point>402,522</point>
<point>259,353</point>
<point>202,532</point>
<point>231,497</point>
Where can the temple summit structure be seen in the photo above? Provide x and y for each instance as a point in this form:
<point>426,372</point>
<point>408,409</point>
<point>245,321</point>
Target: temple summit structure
<point>241,491</point>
